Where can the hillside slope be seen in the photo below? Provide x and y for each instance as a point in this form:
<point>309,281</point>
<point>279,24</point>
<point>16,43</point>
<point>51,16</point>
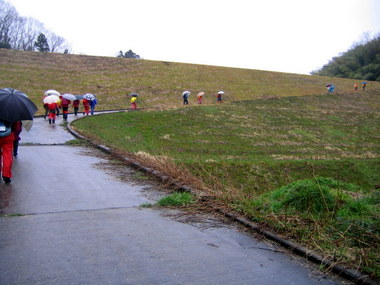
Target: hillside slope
<point>160,84</point>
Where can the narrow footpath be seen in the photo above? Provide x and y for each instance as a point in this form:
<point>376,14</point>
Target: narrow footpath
<point>66,220</point>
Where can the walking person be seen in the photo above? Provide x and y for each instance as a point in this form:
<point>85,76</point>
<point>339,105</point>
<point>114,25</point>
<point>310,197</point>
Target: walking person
<point>52,112</point>
<point>330,88</point>
<point>76,107</point>
<point>364,84</point>
<point>185,97</point>
<point>219,97</point>
<point>6,150</point>
<point>133,103</point>
<point>17,138</point>
<point>92,103</point>
<point>65,107</point>
<point>46,110</point>
<point>86,106</point>
<point>200,97</point>
<point>356,87</point>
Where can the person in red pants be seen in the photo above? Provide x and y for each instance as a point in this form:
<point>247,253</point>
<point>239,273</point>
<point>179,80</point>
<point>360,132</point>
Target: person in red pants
<point>65,107</point>
<point>86,106</point>
<point>52,112</point>
<point>76,107</point>
<point>6,156</point>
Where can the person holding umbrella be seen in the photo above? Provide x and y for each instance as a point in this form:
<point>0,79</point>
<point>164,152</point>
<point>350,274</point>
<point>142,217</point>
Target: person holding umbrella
<point>134,97</point>
<point>185,97</point>
<point>219,96</point>
<point>364,84</point>
<point>133,103</point>
<point>65,107</point>
<point>86,106</point>
<point>52,102</point>
<point>93,103</point>
<point>14,106</point>
<point>52,112</point>
<point>200,97</point>
<point>76,103</point>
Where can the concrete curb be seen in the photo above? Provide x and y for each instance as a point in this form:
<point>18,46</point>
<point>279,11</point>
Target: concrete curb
<point>347,273</point>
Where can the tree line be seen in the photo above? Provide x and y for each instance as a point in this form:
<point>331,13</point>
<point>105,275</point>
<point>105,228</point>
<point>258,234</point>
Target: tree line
<point>26,33</point>
<point>361,62</point>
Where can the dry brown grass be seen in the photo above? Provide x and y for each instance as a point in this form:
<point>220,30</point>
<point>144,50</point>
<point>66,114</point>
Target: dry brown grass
<point>160,84</point>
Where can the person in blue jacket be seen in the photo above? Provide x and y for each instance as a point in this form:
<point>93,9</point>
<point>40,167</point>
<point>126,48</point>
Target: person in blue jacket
<point>92,105</point>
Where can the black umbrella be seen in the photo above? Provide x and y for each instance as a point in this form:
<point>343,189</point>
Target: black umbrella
<point>15,106</point>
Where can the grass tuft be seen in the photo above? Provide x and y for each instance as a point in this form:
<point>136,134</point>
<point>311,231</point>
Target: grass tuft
<point>176,199</point>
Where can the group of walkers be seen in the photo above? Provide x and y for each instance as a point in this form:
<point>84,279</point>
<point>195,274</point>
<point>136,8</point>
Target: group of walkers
<point>186,95</point>
<point>363,84</point>
<point>54,102</point>
<point>330,87</point>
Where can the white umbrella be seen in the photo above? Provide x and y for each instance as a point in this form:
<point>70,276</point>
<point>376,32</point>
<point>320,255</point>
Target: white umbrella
<point>69,97</point>
<point>89,96</point>
<point>221,92</point>
<point>186,93</point>
<point>51,99</point>
<point>52,92</point>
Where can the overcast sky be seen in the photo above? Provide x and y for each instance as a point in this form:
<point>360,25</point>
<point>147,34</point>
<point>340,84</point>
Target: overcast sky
<point>296,36</point>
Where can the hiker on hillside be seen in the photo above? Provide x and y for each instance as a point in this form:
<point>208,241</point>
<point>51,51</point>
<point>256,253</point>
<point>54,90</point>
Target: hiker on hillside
<point>133,102</point>
<point>185,97</point>
<point>200,97</point>
<point>6,150</point>
<point>364,85</point>
<point>86,106</point>
<point>356,87</point>
<point>219,97</point>
<point>330,88</point>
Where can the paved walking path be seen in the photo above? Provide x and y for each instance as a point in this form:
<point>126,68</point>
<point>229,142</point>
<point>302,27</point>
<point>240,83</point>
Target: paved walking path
<point>69,221</point>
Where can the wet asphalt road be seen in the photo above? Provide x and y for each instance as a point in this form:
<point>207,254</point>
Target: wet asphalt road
<point>71,222</point>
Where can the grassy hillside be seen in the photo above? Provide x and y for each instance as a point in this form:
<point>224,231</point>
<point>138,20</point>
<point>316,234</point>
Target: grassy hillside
<point>160,84</point>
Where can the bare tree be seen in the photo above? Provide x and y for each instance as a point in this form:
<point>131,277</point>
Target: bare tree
<point>26,33</point>
<point>8,15</point>
<point>21,33</point>
<point>56,43</point>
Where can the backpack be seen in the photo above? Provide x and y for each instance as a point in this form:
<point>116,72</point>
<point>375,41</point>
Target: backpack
<point>5,129</point>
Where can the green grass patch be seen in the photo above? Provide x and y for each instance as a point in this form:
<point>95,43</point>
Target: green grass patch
<point>77,142</point>
<point>176,199</point>
<point>340,218</point>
